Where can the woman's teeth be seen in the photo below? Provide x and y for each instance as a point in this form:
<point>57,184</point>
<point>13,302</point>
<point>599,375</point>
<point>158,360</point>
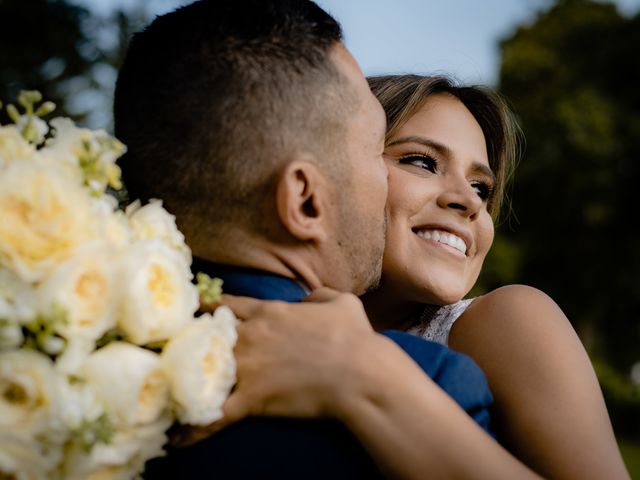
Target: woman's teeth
<point>444,237</point>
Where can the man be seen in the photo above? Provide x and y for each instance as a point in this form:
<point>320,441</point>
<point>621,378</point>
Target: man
<point>254,124</point>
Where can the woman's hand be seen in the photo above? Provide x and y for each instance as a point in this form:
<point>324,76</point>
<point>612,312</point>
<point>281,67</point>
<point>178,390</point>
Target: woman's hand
<point>295,359</point>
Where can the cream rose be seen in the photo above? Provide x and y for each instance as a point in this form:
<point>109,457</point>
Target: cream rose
<point>86,287</point>
<point>17,298</point>
<point>114,224</point>
<point>158,295</point>
<point>45,216</point>
<point>129,383</point>
<point>13,146</point>
<point>94,152</point>
<point>27,459</point>
<point>153,221</point>
<point>78,404</point>
<point>117,229</point>
<point>33,128</point>
<point>10,335</point>
<point>66,145</point>
<point>76,351</point>
<point>201,368</point>
<point>123,458</point>
<point>28,393</point>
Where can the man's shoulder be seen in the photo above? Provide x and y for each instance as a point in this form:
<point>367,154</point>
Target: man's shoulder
<point>454,372</point>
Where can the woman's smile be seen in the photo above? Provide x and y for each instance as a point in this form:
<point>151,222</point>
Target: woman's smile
<point>441,239</point>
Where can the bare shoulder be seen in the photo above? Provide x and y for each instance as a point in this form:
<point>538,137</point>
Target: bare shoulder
<point>516,327</point>
<point>548,406</point>
<point>518,309</point>
<point>521,299</point>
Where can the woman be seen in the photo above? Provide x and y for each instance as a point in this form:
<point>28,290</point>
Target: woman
<point>449,152</point>
<point>548,407</point>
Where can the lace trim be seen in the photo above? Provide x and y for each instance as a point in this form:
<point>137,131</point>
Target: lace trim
<point>435,322</point>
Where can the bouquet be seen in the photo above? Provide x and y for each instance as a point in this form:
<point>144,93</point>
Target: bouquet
<point>101,350</point>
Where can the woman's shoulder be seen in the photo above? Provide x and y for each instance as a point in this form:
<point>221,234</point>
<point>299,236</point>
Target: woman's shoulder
<point>514,313</point>
<point>514,303</point>
<point>513,296</point>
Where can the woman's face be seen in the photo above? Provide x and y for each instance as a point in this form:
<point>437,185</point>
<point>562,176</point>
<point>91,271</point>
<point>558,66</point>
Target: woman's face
<point>439,229</point>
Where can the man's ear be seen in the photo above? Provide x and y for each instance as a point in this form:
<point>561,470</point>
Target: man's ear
<point>302,199</point>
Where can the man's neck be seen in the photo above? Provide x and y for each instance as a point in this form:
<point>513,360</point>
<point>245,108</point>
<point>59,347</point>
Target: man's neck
<point>296,263</point>
<point>250,282</point>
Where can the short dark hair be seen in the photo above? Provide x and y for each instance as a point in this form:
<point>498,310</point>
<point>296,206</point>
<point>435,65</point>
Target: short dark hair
<point>402,96</point>
<point>214,97</point>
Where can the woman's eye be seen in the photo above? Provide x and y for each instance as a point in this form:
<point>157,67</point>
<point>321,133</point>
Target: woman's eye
<point>421,161</point>
<point>483,190</point>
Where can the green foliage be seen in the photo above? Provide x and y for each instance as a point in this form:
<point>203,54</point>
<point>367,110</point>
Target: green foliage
<point>42,47</point>
<point>66,53</point>
<point>209,289</point>
<point>89,433</point>
<point>631,454</point>
<point>622,397</point>
<point>573,79</point>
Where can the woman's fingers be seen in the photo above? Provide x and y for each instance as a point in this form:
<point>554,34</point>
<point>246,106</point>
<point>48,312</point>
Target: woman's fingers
<point>234,409</point>
<point>323,294</point>
<point>243,307</point>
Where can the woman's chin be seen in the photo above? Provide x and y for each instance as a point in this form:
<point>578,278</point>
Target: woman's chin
<point>442,296</point>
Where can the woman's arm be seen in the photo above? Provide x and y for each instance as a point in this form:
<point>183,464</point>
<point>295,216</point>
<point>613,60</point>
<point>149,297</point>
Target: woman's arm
<point>549,409</point>
<point>312,360</point>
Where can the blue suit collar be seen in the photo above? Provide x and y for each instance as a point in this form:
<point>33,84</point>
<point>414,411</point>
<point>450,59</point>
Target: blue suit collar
<point>251,282</point>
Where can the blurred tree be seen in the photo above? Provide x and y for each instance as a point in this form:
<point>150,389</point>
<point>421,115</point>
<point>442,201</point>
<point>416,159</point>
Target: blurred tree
<point>43,46</point>
<point>67,53</point>
<point>573,79</point>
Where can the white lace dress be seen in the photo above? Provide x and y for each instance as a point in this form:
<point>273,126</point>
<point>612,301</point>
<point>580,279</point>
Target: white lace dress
<point>436,321</point>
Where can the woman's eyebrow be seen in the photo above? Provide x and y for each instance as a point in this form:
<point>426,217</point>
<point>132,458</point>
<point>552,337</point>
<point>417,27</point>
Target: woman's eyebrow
<point>476,167</point>
<point>439,147</point>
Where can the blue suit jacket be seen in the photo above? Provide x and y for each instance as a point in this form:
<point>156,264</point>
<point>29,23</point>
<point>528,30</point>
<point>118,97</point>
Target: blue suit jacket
<point>285,448</point>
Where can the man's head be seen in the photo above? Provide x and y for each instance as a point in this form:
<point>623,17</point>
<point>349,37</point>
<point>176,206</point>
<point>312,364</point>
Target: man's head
<point>233,111</point>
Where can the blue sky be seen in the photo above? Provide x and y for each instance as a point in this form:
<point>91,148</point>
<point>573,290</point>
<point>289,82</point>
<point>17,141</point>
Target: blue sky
<point>458,37</point>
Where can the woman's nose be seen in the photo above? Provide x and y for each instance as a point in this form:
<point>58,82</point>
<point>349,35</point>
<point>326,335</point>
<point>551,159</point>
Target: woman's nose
<point>460,195</point>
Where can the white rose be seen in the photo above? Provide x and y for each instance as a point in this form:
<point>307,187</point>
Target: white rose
<point>45,216</point>
<point>159,297</point>
<point>34,128</point>
<point>114,224</point>
<point>76,352</point>
<point>27,459</point>
<point>129,383</point>
<point>10,335</point>
<point>28,393</point>
<point>123,458</point>
<point>153,221</point>
<point>117,229</point>
<point>78,404</point>
<point>13,146</point>
<point>17,298</point>
<point>96,148</point>
<point>86,286</point>
<point>66,145</point>
<point>201,368</point>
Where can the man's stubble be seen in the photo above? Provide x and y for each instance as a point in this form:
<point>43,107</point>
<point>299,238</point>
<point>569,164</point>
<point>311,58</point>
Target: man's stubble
<point>361,237</point>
